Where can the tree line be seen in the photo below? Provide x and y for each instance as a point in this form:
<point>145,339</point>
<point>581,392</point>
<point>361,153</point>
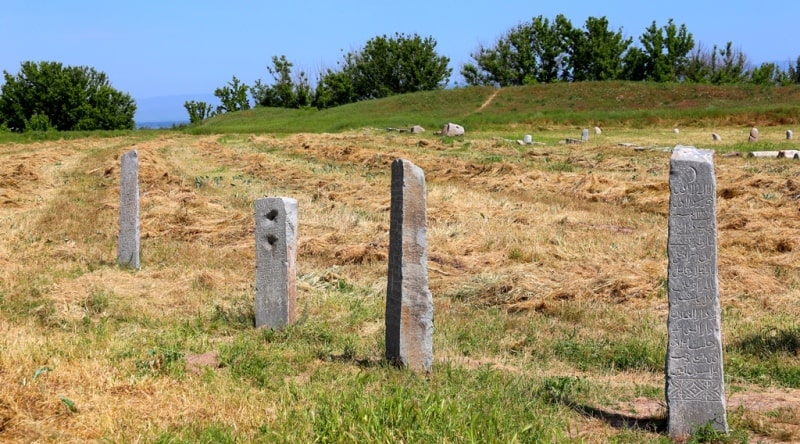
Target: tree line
<point>539,51</point>
<point>49,95</point>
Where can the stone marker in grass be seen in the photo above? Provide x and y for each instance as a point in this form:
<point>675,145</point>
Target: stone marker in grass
<point>276,258</point>
<point>585,135</point>
<point>409,303</point>
<point>128,241</point>
<point>694,377</point>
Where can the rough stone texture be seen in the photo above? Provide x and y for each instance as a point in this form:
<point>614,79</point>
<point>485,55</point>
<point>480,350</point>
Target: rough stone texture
<point>789,135</point>
<point>452,129</point>
<point>409,303</point>
<point>585,135</point>
<point>276,259</point>
<point>716,137</point>
<point>753,135</point>
<point>694,381</point>
<point>128,241</point>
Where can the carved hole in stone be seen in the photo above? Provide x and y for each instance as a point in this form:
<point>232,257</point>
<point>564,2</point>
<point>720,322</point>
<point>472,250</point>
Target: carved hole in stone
<point>272,239</point>
<point>272,214</point>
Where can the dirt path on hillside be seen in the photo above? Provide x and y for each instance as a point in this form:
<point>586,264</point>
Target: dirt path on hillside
<point>488,101</point>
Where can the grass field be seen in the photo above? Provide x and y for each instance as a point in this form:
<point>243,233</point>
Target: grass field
<point>547,264</point>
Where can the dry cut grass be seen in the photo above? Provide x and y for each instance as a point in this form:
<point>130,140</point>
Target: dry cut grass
<point>562,238</point>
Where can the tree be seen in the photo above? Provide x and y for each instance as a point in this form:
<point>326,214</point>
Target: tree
<point>664,55</point>
<point>198,111</point>
<point>528,53</point>
<point>385,66</point>
<point>233,97</point>
<point>728,65</point>
<point>286,91</point>
<point>595,53</point>
<point>51,95</point>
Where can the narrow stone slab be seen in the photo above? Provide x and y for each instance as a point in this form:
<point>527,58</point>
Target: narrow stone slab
<point>694,382</point>
<point>585,135</point>
<point>128,241</point>
<point>276,261</point>
<point>409,303</point>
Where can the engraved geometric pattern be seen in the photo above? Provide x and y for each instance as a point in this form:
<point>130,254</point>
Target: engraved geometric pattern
<point>695,390</point>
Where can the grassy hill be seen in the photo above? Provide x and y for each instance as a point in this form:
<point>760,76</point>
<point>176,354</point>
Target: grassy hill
<point>547,264</point>
<point>627,104</point>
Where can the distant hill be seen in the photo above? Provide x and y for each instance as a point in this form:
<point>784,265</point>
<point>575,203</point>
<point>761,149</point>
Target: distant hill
<point>584,104</point>
<point>166,110</point>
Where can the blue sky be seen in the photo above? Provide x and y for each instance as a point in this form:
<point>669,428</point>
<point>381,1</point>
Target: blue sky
<point>179,47</point>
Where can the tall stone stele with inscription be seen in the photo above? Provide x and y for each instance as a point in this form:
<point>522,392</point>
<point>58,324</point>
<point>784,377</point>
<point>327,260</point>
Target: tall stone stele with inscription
<point>409,303</point>
<point>128,240</point>
<point>276,258</point>
<point>695,390</point>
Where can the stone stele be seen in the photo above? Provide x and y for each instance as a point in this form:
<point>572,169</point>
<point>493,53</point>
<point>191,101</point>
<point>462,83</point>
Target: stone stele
<point>409,303</point>
<point>276,259</point>
<point>695,391</point>
<point>128,241</point>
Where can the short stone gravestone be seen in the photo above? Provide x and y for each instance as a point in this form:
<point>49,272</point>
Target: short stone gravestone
<point>598,131</point>
<point>585,135</point>
<point>695,390</point>
<point>276,259</point>
<point>676,131</point>
<point>416,129</point>
<point>753,135</point>
<point>789,134</point>
<point>716,137</point>
<point>409,303</point>
<point>452,130</point>
<point>128,241</point>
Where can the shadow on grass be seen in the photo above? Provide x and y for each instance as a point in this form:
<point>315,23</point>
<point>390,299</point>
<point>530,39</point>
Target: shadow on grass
<point>652,424</point>
<point>770,342</point>
<point>563,391</point>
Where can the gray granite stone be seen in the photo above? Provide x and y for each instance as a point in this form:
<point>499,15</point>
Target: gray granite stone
<point>276,261</point>
<point>128,241</point>
<point>409,303</point>
<point>585,135</point>
<point>695,390</point>
<point>789,135</point>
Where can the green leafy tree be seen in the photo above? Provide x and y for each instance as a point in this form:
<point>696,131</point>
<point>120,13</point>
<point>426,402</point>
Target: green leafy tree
<point>286,91</point>
<point>728,65</point>
<point>384,67</point>
<point>198,111</point>
<point>767,74</point>
<point>528,53</point>
<point>664,55</point>
<point>51,95</point>
<point>232,97</point>
<point>793,73</point>
<point>595,52</point>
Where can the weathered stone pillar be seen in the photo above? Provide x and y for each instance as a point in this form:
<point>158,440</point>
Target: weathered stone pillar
<point>128,241</point>
<point>409,303</point>
<point>695,389</point>
<point>276,258</point>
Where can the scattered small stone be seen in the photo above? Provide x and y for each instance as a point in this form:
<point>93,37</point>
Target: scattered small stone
<point>452,130</point>
<point>196,363</point>
<point>753,135</point>
<point>771,154</point>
